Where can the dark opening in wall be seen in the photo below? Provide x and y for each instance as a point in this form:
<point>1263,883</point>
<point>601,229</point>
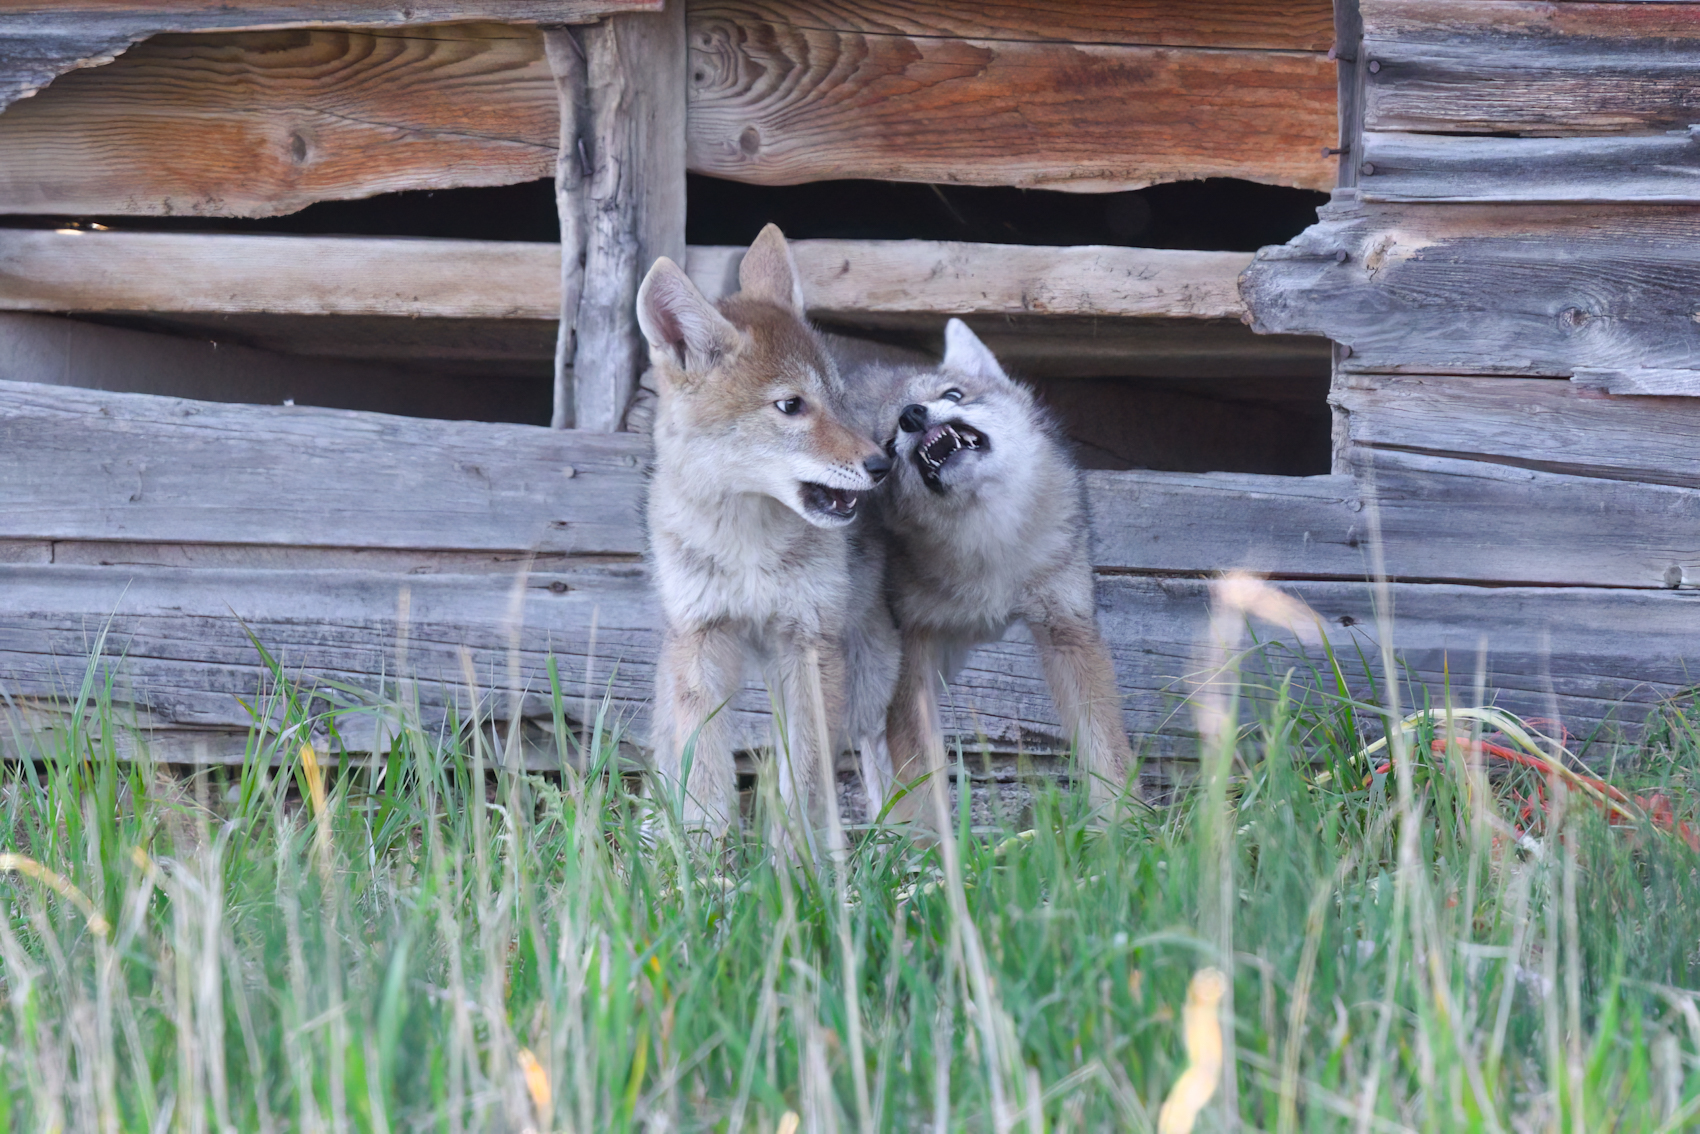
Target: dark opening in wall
<point>1182,395</point>
<point>1216,214</point>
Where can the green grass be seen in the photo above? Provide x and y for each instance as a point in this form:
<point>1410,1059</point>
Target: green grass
<point>1409,952</point>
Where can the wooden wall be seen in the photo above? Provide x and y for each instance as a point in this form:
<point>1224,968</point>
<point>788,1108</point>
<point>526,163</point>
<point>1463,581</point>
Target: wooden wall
<point>1469,276</point>
<point>1516,237</point>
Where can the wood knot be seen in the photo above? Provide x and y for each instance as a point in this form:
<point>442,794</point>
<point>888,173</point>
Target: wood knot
<point>750,141</point>
<point>558,588</point>
<point>1572,317</point>
<point>297,147</point>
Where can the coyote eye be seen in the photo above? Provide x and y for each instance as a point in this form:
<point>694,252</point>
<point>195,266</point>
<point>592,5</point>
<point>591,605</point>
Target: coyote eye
<point>952,395</point>
<point>789,405</point>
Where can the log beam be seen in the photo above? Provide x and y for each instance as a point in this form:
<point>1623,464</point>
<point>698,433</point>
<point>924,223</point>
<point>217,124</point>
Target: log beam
<point>634,198</point>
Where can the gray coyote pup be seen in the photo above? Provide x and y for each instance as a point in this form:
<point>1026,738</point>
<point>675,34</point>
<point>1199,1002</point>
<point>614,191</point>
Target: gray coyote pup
<point>986,523</point>
<point>759,475</point>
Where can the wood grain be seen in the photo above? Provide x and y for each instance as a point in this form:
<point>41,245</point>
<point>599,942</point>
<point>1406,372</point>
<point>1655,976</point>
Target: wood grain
<point>634,198</point>
<point>778,103</point>
<point>85,464</point>
<point>43,39</point>
<point>1257,24</point>
<point>1405,167</point>
<point>1640,381</point>
<point>264,123</point>
<point>468,279</point>
<point>187,658</point>
<point>1535,290</point>
<point>1532,423</point>
<point>1514,67</point>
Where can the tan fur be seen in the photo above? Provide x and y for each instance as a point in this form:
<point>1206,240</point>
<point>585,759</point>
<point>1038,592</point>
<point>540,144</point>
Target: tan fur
<point>748,566</point>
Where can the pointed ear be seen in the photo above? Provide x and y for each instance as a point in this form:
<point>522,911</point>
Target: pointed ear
<point>966,354</point>
<point>681,325</point>
<point>770,272</point>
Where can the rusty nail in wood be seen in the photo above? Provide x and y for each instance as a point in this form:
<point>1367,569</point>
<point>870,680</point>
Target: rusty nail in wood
<point>1334,151</point>
<point>1375,66</point>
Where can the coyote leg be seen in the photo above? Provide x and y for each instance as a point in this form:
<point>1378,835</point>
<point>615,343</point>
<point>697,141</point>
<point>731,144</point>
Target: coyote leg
<point>1083,684</point>
<point>699,671</point>
<point>808,686</point>
<point>915,734</point>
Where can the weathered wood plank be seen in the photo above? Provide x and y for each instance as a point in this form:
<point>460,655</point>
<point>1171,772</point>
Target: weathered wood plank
<point>1538,290</point>
<point>323,113</point>
<point>187,658</point>
<point>634,198</point>
<point>842,277</point>
<point>466,279</point>
<point>1513,67</point>
<point>43,39</point>
<point>1441,519</point>
<point>82,464</point>
<point>1531,423</point>
<point>777,100</point>
<point>1402,167</point>
<point>1640,381</point>
<point>320,478</point>
<point>1305,26</point>
<point>349,112</point>
<point>68,352</point>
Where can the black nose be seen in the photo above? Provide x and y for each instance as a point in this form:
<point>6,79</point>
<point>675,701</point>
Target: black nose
<point>914,419</point>
<point>877,467</point>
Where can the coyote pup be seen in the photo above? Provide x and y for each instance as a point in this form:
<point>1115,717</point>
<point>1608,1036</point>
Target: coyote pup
<point>758,476</point>
<point>986,524</point>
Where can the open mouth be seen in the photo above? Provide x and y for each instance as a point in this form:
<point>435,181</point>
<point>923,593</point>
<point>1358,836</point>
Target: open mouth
<point>836,503</point>
<point>942,442</point>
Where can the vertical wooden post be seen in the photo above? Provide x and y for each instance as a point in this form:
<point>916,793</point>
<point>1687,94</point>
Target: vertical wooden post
<point>566,62</point>
<point>633,195</point>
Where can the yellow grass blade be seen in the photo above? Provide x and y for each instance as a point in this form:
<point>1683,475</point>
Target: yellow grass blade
<point>1203,1032</point>
<point>59,884</point>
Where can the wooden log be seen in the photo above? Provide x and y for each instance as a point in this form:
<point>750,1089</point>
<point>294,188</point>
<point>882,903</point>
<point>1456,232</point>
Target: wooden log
<point>68,352</point>
<point>187,658</point>
<point>1531,423</point>
<point>43,39</point>
<point>779,98</point>
<point>1403,167</point>
<point>1496,67</point>
<point>466,279</point>
<point>634,199</point>
<point>1535,290</point>
<point>83,464</point>
<point>324,113</point>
